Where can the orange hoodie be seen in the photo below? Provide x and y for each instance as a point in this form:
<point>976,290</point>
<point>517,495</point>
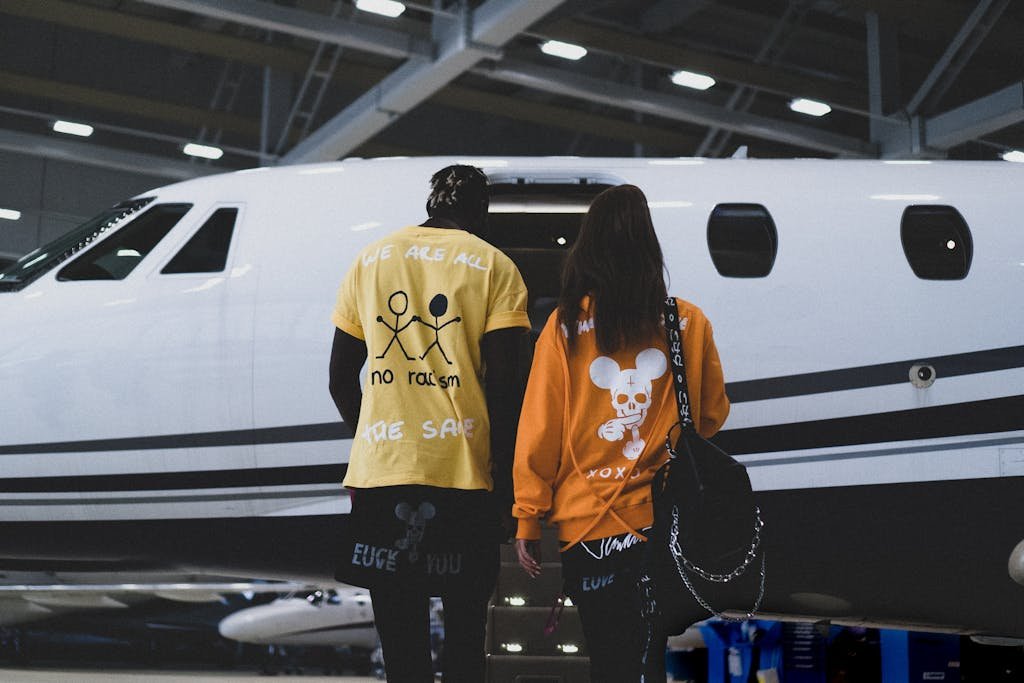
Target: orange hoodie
<point>592,431</point>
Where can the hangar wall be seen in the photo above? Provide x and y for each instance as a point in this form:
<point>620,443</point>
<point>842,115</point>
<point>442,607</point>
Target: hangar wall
<point>54,196</point>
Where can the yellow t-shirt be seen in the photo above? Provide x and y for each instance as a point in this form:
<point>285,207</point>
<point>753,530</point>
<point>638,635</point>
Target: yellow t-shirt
<point>422,299</point>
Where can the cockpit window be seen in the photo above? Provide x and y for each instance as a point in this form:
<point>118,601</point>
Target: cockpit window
<point>118,255</point>
<point>40,261</point>
<point>207,251</point>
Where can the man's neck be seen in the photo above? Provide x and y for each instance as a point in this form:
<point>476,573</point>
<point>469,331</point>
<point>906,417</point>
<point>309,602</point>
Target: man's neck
<point>441,223</point>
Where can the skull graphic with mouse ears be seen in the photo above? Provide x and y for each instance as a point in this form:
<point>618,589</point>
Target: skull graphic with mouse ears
<point>630,392</point>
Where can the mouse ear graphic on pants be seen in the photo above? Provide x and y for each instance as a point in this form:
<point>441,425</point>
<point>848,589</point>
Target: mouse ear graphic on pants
<point>403,511</point>
<point>427,510</point>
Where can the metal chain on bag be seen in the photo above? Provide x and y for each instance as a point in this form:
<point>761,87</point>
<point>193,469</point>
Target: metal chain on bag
<point>682,564</point>
<point>671,322</point>
<point>706,575</point>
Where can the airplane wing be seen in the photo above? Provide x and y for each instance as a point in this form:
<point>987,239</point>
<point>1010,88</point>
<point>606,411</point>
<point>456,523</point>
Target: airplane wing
<point>23,602</point>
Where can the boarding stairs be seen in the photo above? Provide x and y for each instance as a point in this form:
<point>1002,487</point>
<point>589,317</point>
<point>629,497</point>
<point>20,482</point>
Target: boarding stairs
<point>518,651</point>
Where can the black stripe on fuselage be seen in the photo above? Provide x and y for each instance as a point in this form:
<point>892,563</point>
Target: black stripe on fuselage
<point>324,431</point>
<point>166,481</point>
<point>864,377</point>
<point>960,419</point>
<point>963,419</point>
<point>341,628</point>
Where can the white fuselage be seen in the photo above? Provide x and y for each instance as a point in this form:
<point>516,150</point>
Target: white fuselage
<point>346,620</point>
<point>204,397</point>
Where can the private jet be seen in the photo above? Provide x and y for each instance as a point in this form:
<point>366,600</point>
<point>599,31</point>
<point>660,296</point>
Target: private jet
<point>341,616</point>
<point>164,368</point>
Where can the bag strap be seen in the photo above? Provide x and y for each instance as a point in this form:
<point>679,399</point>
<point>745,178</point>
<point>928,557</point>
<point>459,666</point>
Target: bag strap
<point>675,354</point>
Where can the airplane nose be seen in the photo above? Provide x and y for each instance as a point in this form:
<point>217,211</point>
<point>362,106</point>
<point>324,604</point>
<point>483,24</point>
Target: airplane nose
<point>236,627</point>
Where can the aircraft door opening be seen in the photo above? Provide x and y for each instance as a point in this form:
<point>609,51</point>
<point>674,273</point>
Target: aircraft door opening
<point>535,222</point>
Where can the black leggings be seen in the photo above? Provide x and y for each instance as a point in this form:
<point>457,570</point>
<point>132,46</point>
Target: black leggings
<point>624,644</point>
<point>402,617</point>
<point>618,636</point>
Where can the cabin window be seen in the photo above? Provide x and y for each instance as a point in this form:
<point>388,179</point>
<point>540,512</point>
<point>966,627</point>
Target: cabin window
<point>117,256</point>
<point>207,251</point>
<point>742,240</point>
<point>937,242</point>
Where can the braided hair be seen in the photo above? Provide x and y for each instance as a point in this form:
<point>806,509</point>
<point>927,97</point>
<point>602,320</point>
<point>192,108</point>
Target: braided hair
<point>459,193</point>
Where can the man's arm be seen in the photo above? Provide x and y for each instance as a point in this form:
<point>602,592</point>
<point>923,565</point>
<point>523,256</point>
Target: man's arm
<point>347,357</point>
<point>504,398</point>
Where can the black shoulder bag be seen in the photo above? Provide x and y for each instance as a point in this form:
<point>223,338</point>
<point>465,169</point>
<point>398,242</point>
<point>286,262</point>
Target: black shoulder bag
<point>706,522</point>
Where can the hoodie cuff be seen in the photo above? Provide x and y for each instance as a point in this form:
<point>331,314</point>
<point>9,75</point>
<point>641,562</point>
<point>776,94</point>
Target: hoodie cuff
<point>529,529</point>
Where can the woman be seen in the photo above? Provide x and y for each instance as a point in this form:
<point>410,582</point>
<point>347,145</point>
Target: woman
<point>592,432</point>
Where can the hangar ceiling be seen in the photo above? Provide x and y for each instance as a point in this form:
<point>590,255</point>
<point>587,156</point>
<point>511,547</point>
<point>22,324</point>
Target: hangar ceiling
<point>310,80</point>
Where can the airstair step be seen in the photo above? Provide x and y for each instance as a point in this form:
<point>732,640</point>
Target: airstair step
<point>513,582</point>
<point>526,669</point>
<point>523,628</point>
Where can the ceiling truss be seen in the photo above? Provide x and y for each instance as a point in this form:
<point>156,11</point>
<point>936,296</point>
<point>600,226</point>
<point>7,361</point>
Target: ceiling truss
<point>463,40</point>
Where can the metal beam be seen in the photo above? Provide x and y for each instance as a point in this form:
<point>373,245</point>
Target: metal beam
<point>675,108</point>
<point>311,25</point>
<point>739,71</point>
<point>742,98</point>
<point>56,91</point>
<point>883,75</point>
<point>130,27</point>
<point>102,157</point>
<point>959,51</point>
<point>462,44</point>
<point>976,119</point>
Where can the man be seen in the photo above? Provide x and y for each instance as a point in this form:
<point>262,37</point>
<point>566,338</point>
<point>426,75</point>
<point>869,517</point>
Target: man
<point>438,311</point>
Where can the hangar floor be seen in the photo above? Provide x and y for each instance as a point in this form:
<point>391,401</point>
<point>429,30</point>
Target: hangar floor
<point>64,675</point>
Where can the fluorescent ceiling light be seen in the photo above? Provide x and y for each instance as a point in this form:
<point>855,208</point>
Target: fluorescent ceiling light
<point>80,129</point>
<point>689,79</point>
<point>557,48</point>
<point>204,151</point>
<point>1016,155</point>
<point>809,107</point>
<point>512,647</point>
<point>10,214</point>
<point>387,8</point>
<point>569,649</point>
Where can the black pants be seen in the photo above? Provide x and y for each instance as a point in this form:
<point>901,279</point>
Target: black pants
<point>605,579</point>
<point>402,617</point>
<point>463,521</point>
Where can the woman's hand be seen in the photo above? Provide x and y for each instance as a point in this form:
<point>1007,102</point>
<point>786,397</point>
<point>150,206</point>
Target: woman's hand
<point>528,553</point>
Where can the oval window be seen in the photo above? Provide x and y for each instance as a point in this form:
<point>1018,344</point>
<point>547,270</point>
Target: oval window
<point>742,240</point>
<point>937,242</point>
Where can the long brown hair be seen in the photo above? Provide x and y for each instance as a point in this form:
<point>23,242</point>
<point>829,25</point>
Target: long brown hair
<point>617,261</point>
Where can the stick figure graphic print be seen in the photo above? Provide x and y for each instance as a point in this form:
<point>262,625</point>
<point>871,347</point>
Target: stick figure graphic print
<point>398,303</point>
<point>438,307</point>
